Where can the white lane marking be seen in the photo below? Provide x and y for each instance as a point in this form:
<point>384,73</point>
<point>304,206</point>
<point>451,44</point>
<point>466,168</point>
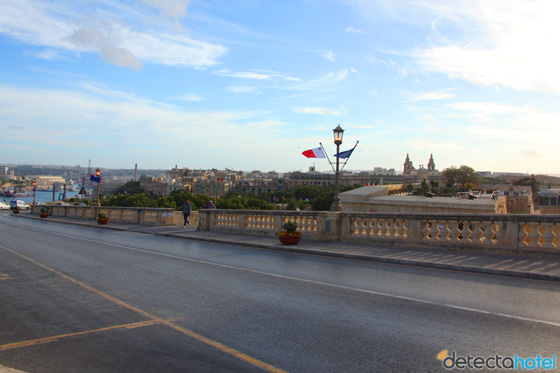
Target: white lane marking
<point>400,297</point>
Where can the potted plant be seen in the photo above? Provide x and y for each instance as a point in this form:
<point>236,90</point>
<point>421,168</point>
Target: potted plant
<point>102,218</point>
<point>43,212</point>
<point>16,210</point>
<point>290,235</point>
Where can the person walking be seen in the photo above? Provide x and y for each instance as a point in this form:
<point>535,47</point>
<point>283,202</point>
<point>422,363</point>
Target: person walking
<point>186,212</point>
<point>211,205</point>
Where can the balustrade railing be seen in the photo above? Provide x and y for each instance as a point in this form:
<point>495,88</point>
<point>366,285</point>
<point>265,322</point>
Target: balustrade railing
<point>131,215</point>
<point>525,232</point>
<point>459,230</point>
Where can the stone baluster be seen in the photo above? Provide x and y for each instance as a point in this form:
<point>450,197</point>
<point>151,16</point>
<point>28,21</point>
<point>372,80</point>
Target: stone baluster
<point>478,233</point>
<point>383,227</point>
<point>455,232</point>
<point>392,228</point>
<point>489,233</point>
<point>466,232</point>
<point>445,232</point>
<point>426,231</point>
<point>523,235</point>
<point>549,236</point>
<point>434,231</point>
<point>534,236</point>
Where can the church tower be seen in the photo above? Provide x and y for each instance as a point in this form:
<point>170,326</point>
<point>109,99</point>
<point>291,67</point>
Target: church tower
<point>408,167</point>
<point>431,164</point>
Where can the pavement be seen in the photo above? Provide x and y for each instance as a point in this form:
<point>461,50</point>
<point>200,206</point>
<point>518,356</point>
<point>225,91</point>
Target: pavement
<point>537,265</point>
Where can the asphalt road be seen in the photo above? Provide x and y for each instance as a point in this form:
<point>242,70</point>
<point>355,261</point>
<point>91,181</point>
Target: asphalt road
<point>91,300</point>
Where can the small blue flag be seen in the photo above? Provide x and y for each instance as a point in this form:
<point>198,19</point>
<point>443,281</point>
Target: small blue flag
<point>95,178</point>
<point>345,154</point>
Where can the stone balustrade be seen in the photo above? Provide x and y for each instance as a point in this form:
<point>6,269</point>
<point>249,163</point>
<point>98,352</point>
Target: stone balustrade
<point>131,215</point>
<point>496,231</point>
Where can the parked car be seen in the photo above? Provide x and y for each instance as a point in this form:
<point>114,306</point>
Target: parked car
<point>4,206</point>
<point>19,203</point>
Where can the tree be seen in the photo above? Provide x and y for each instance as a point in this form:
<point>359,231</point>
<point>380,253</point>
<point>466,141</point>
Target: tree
<point>529,181</point>
<point>458,178</point>
<point>131,187</point>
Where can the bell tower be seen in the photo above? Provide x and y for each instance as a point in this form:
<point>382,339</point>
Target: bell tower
<point>431,164</point>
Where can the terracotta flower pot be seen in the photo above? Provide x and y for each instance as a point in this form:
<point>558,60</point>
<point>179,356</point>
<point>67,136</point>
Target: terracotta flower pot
<point>15,211</point>
<point>102,221</point>
<point>43,215</point>
<point>289,240</point>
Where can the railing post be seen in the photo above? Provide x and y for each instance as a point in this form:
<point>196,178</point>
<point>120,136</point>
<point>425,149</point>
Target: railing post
<point>203,220</point>
<point>414,229</point>
<point>330,226</point>
<point>508,233</point>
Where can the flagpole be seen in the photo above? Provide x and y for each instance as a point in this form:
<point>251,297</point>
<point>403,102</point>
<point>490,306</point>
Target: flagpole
<point>328,159</point>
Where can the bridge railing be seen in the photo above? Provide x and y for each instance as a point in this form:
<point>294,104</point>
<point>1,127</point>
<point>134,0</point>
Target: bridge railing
<point>459,230</point>
<point>496,231</point>
<point>131,215</point>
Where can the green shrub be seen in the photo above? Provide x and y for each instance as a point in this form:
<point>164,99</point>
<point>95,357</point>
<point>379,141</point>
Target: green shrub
<point>290,226</point>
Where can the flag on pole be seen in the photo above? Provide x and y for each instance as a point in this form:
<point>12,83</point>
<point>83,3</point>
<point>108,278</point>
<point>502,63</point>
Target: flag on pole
<point>95,178</point>
<point>345,154</point>
<point>314,153</point>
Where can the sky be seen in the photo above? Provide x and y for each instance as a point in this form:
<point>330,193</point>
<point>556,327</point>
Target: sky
<point>251,84</point>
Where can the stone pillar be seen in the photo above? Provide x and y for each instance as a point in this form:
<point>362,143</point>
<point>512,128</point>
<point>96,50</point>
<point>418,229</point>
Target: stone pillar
<point>203,220</point>
<point>508,233</point>
<point>329,226</point>
<point>414,229</point>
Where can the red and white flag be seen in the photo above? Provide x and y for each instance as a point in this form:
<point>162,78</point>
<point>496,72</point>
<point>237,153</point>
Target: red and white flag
<point>314,153</point>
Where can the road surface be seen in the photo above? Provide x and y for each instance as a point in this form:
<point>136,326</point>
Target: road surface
<point>93,300</point>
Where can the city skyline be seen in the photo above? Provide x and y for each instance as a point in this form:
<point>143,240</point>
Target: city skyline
<point>251,85</point>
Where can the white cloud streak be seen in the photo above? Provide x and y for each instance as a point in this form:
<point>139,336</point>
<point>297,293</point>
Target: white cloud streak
<point>316,110</point>
<point>502,43</point>
<point>57,27</point>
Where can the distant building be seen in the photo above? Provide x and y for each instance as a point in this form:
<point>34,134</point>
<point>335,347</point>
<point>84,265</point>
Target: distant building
<point>411,175</point>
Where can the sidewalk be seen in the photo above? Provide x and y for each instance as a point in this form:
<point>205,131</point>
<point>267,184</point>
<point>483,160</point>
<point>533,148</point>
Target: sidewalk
<point>545,266</point>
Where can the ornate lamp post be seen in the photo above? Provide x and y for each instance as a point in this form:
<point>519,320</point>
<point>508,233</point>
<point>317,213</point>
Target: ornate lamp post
<point>34,187</point>
<point>98,174</point>
<point>336,205</point>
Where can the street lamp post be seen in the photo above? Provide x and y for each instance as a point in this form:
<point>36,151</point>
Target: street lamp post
<point>34,187</point>
<point>98,174</point>
<point>336,205</point>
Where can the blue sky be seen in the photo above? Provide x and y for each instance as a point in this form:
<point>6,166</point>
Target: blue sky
<point>250,84</point>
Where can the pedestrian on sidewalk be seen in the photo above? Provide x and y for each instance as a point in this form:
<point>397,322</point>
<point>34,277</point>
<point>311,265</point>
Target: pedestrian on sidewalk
<point>211,205</point>
<point>186,212</point>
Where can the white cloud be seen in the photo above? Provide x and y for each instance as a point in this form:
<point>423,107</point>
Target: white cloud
<point>497,43</point>
<point>354,30</point>
<point>241,89</point>
<point>485,111</point>
<point>91,38</point>
<point>244,74</point>
<point>316,110</point>
<point>190,97</point>
<point>109,119</point>
<point>430,96</point>
<point>58,27</point>
<point>257,74</point>
<point>329,55</point>
<point>171,8</point>
<point>325,81</point>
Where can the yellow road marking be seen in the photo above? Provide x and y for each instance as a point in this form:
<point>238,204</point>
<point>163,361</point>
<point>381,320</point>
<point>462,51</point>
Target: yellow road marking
<point>4,276</point>
<point>33,342</point>
<point>221,347</point>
